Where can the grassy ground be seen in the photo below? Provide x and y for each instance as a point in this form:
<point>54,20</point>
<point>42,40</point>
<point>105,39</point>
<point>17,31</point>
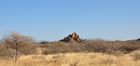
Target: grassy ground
<point>75,59</point>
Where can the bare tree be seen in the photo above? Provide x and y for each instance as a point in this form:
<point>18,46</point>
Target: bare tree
<point>14,39</point>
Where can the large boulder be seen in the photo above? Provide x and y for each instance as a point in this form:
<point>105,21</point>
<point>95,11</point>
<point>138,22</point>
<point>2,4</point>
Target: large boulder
<point>138,39</point>
<point>74,37</point>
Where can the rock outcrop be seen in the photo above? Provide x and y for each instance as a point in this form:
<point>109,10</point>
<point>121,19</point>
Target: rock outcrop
<point>74,37</point>
<point>138,39</point>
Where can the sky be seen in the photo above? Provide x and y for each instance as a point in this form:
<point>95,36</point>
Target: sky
<point>52,20</point>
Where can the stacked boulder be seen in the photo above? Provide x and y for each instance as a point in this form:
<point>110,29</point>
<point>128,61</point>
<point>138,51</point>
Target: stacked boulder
<point>74,37</point>
<point>138,39</point>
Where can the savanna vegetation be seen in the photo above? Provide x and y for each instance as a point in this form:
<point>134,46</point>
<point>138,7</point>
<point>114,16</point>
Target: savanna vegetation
<point>21,50</point>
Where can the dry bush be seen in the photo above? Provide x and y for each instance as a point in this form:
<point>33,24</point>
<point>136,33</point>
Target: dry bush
<point>6,52</point>
<point>27,48</point>
<point>13,40</point>
<point>95,45</point>
<point>54,47</point>
<point>110,47</point>
<point>24,45</point>
<point>61,47</point>
<point>136,55</point>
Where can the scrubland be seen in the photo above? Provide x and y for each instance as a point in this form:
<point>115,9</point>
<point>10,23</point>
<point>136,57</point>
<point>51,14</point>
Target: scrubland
<point>18,50</point>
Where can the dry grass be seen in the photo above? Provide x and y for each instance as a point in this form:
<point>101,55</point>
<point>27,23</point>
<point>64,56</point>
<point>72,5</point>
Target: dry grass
<point>73,59</point>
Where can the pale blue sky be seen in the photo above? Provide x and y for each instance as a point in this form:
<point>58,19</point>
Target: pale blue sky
<point>54,19</point>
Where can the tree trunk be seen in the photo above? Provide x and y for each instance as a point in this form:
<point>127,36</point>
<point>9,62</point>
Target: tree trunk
<point>16,52</point>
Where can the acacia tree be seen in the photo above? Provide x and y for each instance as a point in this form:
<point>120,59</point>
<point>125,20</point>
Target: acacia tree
<point>14,39</point>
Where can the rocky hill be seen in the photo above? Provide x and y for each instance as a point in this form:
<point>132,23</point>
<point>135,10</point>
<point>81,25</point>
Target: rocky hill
<point>74,37</point>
